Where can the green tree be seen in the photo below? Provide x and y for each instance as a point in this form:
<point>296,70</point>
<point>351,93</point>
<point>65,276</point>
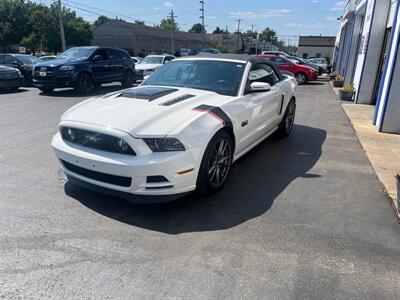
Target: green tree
<point>269,35</point>
<point>222,48</point>
<point>100,20</point>
<point>219,31</point>
<point>197,28</point>
<point>139,22</point>
<point>168,24</point>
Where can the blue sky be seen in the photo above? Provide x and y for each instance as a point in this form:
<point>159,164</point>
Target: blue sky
<point>288,17</point>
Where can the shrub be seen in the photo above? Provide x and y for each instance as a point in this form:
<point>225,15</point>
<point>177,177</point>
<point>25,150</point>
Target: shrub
<point>349,88</point>
<point>339,78</point>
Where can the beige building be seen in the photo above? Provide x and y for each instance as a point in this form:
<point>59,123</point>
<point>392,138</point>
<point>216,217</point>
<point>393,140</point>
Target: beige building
<point>143,40</point>
<point>316,46</point>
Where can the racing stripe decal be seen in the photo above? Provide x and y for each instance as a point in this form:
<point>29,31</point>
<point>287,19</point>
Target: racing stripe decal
<point>216,112</point>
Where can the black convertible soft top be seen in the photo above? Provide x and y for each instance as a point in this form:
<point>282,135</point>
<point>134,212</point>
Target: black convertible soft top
<point>243,57</point>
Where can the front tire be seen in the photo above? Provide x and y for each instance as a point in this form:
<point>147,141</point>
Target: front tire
<point>286,125</point>
<point>216,164</point>
<point>46,90</point>
<point>84,83</point>
<point>129,79</point>
<point>301,78</point>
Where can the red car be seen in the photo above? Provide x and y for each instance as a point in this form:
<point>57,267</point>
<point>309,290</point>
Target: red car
<point>303,73</point>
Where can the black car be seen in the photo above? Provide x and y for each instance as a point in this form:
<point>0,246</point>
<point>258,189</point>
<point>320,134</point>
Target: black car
<point>22,62</point>
<point>301,61</point>
<point>10,78</point>
<point>83,68</point>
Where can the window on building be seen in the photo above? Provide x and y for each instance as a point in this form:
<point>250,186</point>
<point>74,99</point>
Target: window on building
<point>305,55</point>
<point>318,55</point>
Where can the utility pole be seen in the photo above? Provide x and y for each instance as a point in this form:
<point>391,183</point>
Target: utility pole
<point>202,23</point>
<point>251,38</point>
<point>60,17</point>
<point>238,33</point>
<point>172,17</point>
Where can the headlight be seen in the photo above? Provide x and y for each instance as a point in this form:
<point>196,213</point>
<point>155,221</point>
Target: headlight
<point>122,145</point>
<point>164,144</point>
<point>71,134</point>
<point>67,68</point>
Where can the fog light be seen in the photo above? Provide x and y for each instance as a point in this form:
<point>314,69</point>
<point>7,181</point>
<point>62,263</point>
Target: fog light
<point>71,134</point>
<point>122,145</point>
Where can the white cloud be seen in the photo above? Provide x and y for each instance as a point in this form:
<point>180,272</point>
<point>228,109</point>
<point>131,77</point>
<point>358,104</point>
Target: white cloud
<point>339,6</point>
<point>269,13</point>
<point>317,25</point>
<point>168,4</point>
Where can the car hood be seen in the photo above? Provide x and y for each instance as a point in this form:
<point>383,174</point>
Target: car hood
<point>144,111</point>
<point>58,62</point>
<point>147,66</point>
<point>6,69</point>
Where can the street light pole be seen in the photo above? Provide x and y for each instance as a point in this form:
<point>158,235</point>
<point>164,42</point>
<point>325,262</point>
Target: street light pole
<point>60,18</point>
<point>202,23</point>
<point>172,16</point>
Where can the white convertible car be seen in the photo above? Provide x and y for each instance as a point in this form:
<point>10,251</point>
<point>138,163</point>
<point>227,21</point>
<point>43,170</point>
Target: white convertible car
<point>179,131</point>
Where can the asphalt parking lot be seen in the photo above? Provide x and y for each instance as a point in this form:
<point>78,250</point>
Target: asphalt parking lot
<point>300,218</point>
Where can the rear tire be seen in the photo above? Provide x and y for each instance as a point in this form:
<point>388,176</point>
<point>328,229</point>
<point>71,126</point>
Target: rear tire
<point>216,164</point>
<point>84,83</point>
<point>301,78</point>
<point>129,79</point>
<point>286,125</point>
<point>46,90</point>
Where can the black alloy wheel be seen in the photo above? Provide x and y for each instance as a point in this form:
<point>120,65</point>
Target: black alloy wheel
<point>286,125</point>
<point>84,83</point>
<point>216,164</point>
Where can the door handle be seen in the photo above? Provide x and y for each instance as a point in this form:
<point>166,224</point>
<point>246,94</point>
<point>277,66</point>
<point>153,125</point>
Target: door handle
<point>244,123</point>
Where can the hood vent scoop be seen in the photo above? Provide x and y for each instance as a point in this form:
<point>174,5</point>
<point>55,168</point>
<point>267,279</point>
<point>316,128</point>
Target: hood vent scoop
<point>149,93</point>
<point>177,100</point>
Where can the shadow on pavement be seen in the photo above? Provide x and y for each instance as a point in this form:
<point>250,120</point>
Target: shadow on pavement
<point>70,92</point>
<point>12,91</point>
<point>256,181</point>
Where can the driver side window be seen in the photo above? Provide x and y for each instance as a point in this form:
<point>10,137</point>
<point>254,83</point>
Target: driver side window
<point>102,53</point>
<point>262,73</point>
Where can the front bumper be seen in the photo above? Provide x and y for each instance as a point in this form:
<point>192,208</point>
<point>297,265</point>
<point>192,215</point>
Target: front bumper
<point>11,83</point>
<point>137,168</point>
<point>54,82</point>
<point>312,76</point>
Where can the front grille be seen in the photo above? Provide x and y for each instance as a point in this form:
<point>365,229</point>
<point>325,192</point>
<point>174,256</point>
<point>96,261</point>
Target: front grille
<point>48,70</point>
<point>107,178</point>
<point>8,76</point>
<point>95,140</point>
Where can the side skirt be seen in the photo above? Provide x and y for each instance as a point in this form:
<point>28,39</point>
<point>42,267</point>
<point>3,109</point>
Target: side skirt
<point>244,151</point>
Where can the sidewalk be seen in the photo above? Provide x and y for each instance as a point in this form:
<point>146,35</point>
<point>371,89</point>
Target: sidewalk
<point>382,149</point>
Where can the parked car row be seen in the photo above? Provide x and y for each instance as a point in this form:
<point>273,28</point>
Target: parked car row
<point>84,68</point>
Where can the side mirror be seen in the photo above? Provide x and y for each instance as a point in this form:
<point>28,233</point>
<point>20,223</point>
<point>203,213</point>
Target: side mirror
<point>97,57</point>
<point>258,87</point>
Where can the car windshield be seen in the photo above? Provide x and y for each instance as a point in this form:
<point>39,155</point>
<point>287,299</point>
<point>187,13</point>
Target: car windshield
<point>222,77</point>
<point>295,60</point>
<point>152,60</point>
<point>76,53</point>
<point>28,59</point>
